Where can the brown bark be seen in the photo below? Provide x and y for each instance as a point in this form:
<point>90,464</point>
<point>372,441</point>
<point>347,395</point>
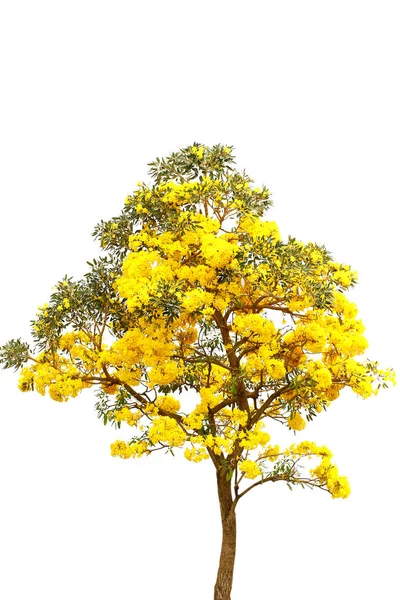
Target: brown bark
<point>223,585</point>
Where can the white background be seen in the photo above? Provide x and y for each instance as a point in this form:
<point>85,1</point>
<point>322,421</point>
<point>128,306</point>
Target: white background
<point>308,94</point>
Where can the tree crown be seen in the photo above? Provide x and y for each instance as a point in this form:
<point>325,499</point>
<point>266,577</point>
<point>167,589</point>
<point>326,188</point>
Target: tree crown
<point>196,290</point>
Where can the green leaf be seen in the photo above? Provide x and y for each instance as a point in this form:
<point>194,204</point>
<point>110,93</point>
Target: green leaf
<point>229,475</point>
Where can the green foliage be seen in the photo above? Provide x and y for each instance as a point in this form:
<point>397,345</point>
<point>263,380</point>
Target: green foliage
<point>190,163</point>
<point>14,354</point>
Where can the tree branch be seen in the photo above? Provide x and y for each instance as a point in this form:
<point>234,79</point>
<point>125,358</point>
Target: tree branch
<point>305,481</point>
<point>258,414</point>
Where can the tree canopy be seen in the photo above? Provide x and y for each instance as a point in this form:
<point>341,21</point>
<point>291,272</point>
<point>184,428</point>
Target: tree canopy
<point>196,291</point>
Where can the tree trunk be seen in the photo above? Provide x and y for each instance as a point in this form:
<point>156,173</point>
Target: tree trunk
<point>223,585</point>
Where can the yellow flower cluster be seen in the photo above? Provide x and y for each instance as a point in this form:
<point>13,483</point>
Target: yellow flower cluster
<point>164,374</point>
<point>194,420</point>
<point>167,431</point>
<point>196,454</point>
<point>168,403</point>
<point>270,453</point>
<point>308,449</point>
<point>259,229</point>
<point>320,375</point>
<point>26,379</point>
<point>296,422</point>
<point>218,252</point>
<point>237,416</point>
<point>275,368</point>
<point>343,306</point>
<point>61,383</point>
<point>209,397</point>
<point>198,151</point>
<point>196,299</point>
<point>328,474</point>
<point>251,439</point>
<point>124,450</point>
<point>130,417</point>
<point>218,444</point>
<point>255,326</point>
<point>342,274</point>
<point>250,469</point>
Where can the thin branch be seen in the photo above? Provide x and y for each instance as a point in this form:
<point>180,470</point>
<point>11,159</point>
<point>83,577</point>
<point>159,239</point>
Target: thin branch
<point>258,414</point>
<point>309,482</point>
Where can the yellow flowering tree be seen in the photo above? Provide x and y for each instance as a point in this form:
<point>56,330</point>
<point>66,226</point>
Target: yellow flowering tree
<point>196,291</point>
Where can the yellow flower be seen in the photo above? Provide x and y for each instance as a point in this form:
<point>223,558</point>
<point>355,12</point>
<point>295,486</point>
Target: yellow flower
<point>250,469</point>
<point>196,454</point>
<point>168,403</point>
<point>276,368</point>
<point>128,416</point>
<point>167,430</point>
<point>296,422</point>
<point>251,439</point>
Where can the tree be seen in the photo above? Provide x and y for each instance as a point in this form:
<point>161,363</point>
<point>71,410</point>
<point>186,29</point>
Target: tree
<point>195,291</point>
